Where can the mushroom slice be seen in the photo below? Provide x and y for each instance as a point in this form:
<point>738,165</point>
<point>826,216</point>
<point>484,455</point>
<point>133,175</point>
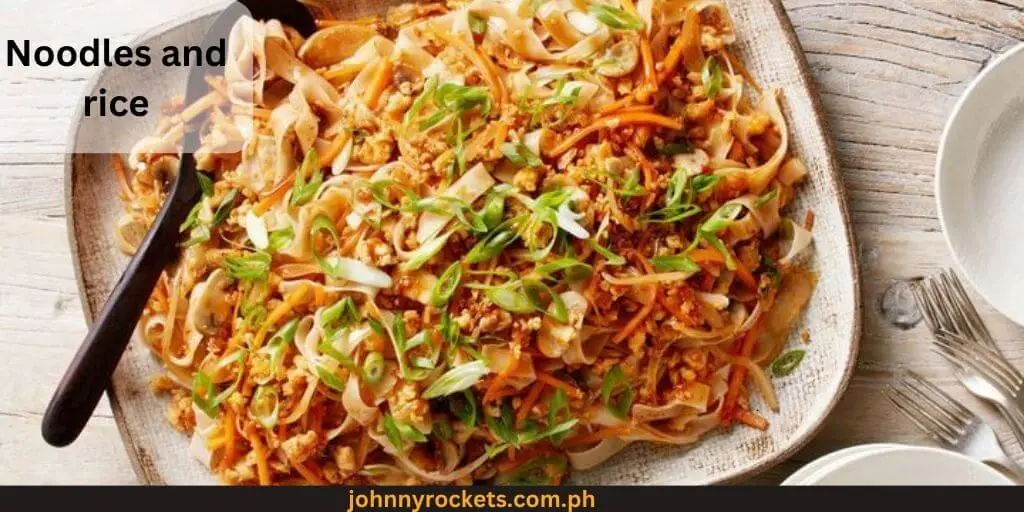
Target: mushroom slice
<point>554,337</point>
<point>619,60</point>
<point>334,44</point>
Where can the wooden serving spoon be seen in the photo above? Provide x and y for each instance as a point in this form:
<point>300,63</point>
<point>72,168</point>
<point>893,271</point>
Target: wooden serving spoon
<point>89,373</point>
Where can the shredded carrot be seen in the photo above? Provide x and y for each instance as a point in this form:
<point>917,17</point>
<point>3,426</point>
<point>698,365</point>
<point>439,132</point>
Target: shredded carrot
<point>335,148</point>
<point>529,401</point>
<point>751,419</point>
<point>275,195</point>
<point>309,474</point>
<point>615,121</point>
<point>616,105</point>
<point>650,74</point>
<point>493,392</point>
<point>809,220</point>
<point>122,177</point>
<point>596,436</point>
<point>645,311</point>
<point>636,108</point>
<point>702,255</point>
<point>380,81</point>
<point>744,275</point>
<point>501,135</point>
<point>229,438</point>
<point>262,466</point>
<point>292,300</point>
<point>555,382</point>
<point>482,63</point>
<point>693,54</point>
<point>739,373</point>
<point>343,71</point>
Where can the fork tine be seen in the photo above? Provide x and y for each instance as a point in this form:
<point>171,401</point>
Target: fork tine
<point>920,418</point>
<point>963,414</point>
<point>980,351</point>
<point>967,307</point>
<point>946,416</point>
<point>967,363</point>
<point>983,360</point>
<point>925,304</point>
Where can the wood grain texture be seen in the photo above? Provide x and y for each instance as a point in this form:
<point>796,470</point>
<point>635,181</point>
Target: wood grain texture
<point>888,73</point>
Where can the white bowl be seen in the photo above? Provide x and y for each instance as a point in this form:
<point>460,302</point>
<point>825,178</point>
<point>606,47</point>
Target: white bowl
<point>799,476</point>
<point>907,465</point>
<point>979,183</point>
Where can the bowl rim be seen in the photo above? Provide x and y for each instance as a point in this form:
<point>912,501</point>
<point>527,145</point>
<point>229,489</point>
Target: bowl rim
<point>942,172</point>
<point>145,468</point>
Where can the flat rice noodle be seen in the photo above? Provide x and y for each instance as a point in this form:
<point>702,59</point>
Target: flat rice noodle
<point>766,215</point>
<point>760,378</point>
<point>596,454</point>
<point>303,406</point>
<point>741,322</point>
<point>792,172</point>
<point>759,177</point>
<point>245,70</point>
<point>646,279</point>
<point>792,297</point>
<point>410,467</point>
<point>468,188</point>
<point>554,337</point>
<point>584,348</point>
<point>795,240</point>
<point>552,17</point>
<point>335,43</point>
<point>498,360</point>
<point>520,37</point>
<point>352,400</point>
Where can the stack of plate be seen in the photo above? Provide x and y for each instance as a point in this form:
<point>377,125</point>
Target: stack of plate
<point>894,464</point>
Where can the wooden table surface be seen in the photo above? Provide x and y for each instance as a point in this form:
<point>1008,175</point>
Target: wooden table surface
<point>888,71</point>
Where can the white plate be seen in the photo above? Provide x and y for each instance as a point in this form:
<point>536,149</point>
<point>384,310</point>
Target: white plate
<point>907,465</point>
<point>809,469</point>
<point>979,183</point>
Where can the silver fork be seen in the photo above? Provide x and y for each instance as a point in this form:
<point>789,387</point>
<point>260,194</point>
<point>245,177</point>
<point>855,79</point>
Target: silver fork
<point>986,363</point>
<point>953,319</point>
<point>948,422</point>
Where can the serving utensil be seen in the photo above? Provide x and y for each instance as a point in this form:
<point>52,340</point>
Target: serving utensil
<point>948,422</point>
<point>958,329</point>
<point>89,373</point>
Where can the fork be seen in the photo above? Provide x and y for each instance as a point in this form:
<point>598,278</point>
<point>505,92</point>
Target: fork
<point>948,422</point>
<point>955,323</point>
<point>985,363</point>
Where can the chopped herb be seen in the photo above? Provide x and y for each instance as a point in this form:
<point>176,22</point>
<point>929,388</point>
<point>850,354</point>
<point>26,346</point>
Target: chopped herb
<point>767,197</point>
<point>463,407</point>
<point>610,257</point>
<point>678,262</point>
<point>205,184</point>
<point>711,78</point>
<point>787,363</point>
<point>615,17</point>
<point>521,155</point>
<point>254,267</point>
<point>477,24</point>
<point>446,285</point>
<point>302,190</point>
<point>616,393</point>
<point>280,238</point>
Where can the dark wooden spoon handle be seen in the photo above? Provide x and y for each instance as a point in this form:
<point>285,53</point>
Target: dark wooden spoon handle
<point>88,375</point>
